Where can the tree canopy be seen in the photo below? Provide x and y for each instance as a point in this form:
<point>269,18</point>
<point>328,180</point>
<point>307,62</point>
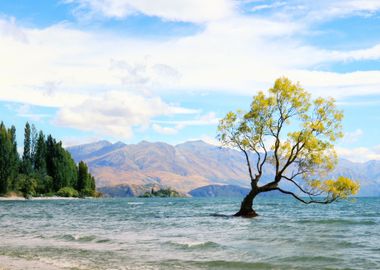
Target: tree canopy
<point>295,133</point>
<point>45,168</point>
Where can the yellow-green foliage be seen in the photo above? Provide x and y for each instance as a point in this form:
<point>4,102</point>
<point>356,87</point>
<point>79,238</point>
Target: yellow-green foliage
<point>342,187</point>
<point>296,132</point>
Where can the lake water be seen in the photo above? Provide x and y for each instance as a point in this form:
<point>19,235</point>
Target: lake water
<point>185,234</point>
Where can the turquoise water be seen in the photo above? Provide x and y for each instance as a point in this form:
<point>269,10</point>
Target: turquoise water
<point>186,234</point>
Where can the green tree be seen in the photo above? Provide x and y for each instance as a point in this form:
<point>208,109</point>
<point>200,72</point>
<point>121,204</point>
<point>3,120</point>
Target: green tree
<point>293,133</point>
<point>44,184</point>
<point>86,182</point>
<point>67,192</point>
<point>33,144</point>
<point>9,158</point>
<point>27,185</point>
<point>14,159</point>
<point>93,183</point>
<point>50,153</point>
<point>40,154</point>
<point>60,165</point>
<point>46,167</point>
<point>5,149</point>
<point>26,157</point>
<point>83,177</point>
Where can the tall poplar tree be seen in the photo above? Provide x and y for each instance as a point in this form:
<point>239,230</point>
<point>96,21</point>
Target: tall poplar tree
<point>33,144</point>
<point>26,156</point>
<point>83,177</point>
<point>14,159</point>
<point>4,159</point>
<point>40,154</point>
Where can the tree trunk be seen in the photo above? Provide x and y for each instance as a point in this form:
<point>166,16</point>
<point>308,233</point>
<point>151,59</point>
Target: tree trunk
<point>246,209</point>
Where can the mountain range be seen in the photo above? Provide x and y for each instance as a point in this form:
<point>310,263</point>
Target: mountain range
<point>189,166</point>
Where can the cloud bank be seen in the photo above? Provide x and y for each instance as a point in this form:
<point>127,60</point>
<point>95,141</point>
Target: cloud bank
<point>102,81</point>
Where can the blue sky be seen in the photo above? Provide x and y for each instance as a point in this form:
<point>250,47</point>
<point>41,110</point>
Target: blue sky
<point>168,70</point>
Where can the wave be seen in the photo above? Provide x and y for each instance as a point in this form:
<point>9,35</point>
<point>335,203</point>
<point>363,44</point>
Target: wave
<point>338,222</point>
<point>219,264</point>
<point>317,258</point>
<point>194,245</point>
<point>84,238</point>
<point>221,215</point>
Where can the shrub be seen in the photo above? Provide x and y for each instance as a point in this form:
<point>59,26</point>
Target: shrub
<point>87,192</point>
<point>67,192</point>
<point>27,185</point>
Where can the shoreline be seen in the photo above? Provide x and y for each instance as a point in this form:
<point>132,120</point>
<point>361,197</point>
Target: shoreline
<point>14,198</point>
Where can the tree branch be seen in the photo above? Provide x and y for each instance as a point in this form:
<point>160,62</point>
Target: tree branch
<point>265,155</point>
<point>301,188</point>
<point>248,162</point>
<point>327,201</point>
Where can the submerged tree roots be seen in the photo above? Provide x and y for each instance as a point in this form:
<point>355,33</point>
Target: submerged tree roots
<point>246,214</point>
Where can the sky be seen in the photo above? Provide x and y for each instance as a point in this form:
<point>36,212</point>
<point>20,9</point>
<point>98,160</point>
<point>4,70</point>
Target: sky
<point>164,70</point>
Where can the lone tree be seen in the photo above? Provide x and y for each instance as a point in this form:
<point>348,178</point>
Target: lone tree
<point>294,134</point>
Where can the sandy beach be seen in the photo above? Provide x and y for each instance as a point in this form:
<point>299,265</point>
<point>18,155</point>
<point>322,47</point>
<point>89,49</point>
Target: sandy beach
<point>9,263</point>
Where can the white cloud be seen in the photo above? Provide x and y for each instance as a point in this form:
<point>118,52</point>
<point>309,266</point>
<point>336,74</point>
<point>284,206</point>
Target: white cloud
<point>359,154</point>
<point>144,75</point>
<point>268,6</point>
<point>165,130</point>
<point>202,120</point>
<point>211,10</point>
<point>115,113</point>
<point>346,7</point>
<point>365,103</point>
<point>9,29</point>
<point>63,67</point>
<point>73,141</point>
<point>60,65</point>
<point>26,111</point>
<point>184,10</point>
<point>354,136</point>
<point>322,10</point>
<point>173,127</point>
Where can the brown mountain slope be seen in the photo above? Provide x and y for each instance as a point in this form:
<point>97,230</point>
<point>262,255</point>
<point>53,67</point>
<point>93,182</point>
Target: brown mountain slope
<point>191,165</point>
<point>183,167</point>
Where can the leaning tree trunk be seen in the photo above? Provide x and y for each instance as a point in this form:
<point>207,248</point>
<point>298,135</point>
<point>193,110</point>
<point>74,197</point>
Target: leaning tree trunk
<point>246,209</point>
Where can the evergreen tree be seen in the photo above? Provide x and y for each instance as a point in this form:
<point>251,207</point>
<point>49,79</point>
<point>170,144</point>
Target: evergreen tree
<point>93,183</point>
<point>86,182</point>
<point>50,153</point>
<point>8,158</point>
<point>46,167</point>
<point>4,159</point>
<point>26,157</point>
<point>40,155</point>
<point>60,166</point>
<point>83,177</point>
<point>44,182</point>
<point>14,159</point>
<point>33,145</point>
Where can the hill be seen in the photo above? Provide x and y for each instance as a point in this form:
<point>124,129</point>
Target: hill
<point>190,165</point>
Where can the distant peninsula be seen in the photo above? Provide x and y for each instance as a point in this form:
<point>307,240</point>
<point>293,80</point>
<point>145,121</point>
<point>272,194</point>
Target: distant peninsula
<point>162,193</point>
